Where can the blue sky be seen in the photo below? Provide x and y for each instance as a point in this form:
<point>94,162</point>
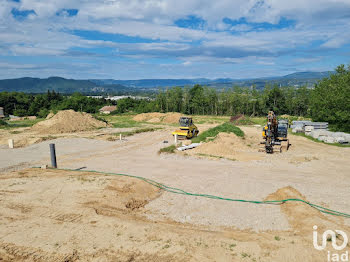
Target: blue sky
<point>134,39</point>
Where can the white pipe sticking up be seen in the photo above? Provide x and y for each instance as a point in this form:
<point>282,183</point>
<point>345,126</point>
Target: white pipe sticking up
<point>11,143</point>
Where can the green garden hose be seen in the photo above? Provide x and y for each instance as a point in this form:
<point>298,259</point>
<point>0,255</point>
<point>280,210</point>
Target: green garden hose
<point>182,192</point>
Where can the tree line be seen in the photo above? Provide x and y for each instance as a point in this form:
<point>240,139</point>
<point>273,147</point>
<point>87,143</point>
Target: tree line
<point>22,104</point>
<point>328,101</point>
<point>237,100</point>
<point>202,100</point>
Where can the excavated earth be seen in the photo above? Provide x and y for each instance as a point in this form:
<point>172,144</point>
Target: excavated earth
<point>63,215</point>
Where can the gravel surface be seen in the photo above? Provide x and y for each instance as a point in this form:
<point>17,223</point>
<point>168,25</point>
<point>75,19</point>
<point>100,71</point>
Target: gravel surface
<point>319,172</point>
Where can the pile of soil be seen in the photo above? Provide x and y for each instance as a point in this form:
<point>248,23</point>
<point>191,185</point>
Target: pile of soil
<point>236,117</point>
<point>301,216</point>
<point>169,118</point>
<point>147,116</point>
<point>68,121</point>
<point>51,114</point>
<point>229,146</point>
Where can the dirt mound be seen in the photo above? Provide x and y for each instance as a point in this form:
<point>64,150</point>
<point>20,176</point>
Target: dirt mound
<point>301,216</point>
<point>284,193</point>
<point>51,114</point>
<point>147,116</point>
<point>169,118</point>
<point>229,146</point>
<point>68,121</point>
<point>236,117</point>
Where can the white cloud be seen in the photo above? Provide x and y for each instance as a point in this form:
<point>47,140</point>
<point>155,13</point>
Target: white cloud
<point>326,22</point>
<point>241,28</point>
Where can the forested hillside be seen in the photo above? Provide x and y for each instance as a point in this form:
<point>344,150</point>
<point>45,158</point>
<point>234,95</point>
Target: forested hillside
<point>111,86</point>
<point>328,101</point>
<point>57,84</point>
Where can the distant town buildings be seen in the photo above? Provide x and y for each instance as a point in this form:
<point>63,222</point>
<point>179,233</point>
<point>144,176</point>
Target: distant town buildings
<point>115,98</point>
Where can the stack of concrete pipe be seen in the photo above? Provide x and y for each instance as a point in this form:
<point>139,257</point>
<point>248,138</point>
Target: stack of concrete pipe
<point>319,130</point>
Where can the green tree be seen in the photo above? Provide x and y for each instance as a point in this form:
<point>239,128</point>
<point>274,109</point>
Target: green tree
<point>330,99</point>
<point>276,101</point>
<point>197,101</point>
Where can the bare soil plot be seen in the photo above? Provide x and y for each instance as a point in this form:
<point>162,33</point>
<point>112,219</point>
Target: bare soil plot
<point>50,215</point>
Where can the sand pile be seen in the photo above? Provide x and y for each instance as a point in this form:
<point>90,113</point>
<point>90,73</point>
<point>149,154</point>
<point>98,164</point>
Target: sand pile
<point>301,216</point>
<point>51,114</point>
<point>147,116</point>
<point>68,121</point>
<point>169,118</point>
<point>229,146</point>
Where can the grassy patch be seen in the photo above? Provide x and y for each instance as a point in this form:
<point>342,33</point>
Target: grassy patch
<point>258,120</point>
<point>318,141</point>
<point>213,132</point>
<point>21,123</point>
<point>3,123</point>
<point>120,121</point>
<point>210,119</point>
<point>99,118</point>
<point>168,149</point>
<point>138,131</point>
<point>123,121</point>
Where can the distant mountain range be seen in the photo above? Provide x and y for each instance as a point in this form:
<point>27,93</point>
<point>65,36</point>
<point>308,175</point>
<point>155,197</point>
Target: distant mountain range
<point>99,86</point>
<point>299,78</point>
<point>59,84</point>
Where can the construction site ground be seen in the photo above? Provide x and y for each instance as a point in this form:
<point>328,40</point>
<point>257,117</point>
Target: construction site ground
<point>61,215</point>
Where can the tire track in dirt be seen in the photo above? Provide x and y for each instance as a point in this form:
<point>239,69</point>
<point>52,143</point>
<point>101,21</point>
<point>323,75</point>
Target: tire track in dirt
<point>11,252</point>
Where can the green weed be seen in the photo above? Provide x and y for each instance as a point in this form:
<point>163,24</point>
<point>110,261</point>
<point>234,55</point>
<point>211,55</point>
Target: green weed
<point>138,131</point>
<point>169,149</point>
<point>213,132</point>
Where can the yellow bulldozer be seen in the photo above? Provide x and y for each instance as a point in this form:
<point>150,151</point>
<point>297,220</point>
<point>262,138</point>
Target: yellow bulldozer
<point>187,129</point>
<point>275,135</point>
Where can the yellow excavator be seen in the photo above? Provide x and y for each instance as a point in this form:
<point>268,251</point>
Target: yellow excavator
<point>275,134</point>
<point>187,129</point>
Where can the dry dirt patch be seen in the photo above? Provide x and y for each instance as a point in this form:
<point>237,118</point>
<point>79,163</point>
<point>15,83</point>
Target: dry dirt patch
<point>168,118</point>
<point>52,215</point>
<point>123,194</point>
